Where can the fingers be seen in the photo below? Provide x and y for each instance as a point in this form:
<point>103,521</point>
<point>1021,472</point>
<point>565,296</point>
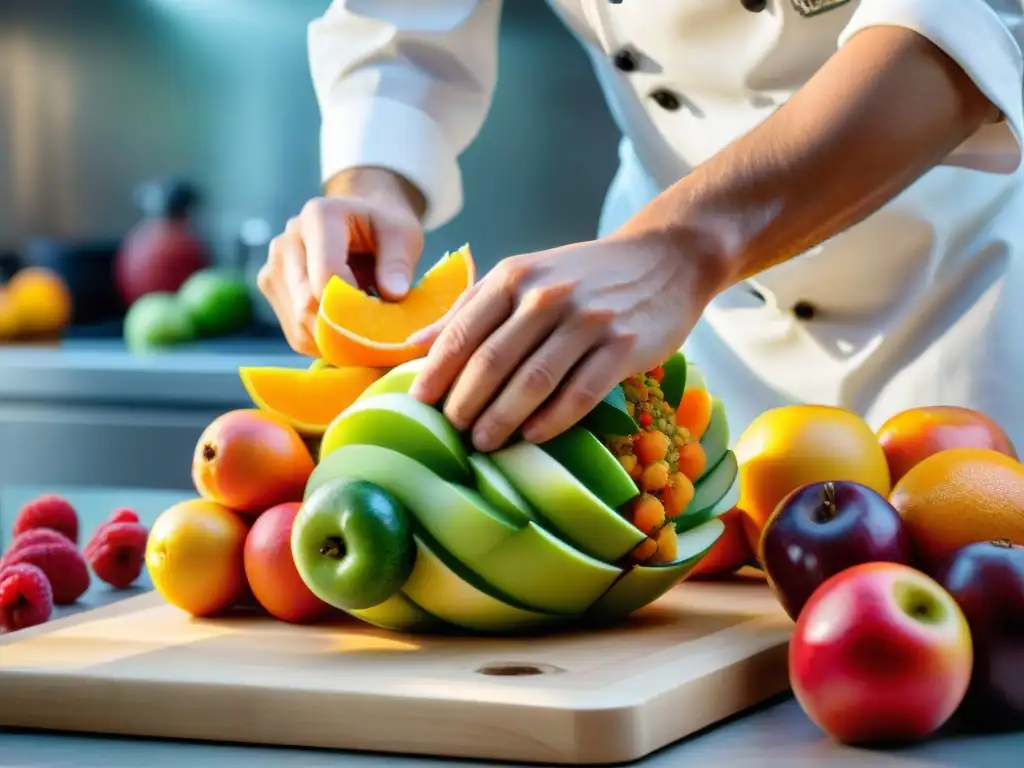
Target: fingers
<point>427,336</point>
<point>316,246</point>
<point>584,389</point>
<point>500,355</point>
<point>284,282</point>
<point>398,248</point>
<point>535,381</point>
<point>325,232</point>
<point>480,316</point>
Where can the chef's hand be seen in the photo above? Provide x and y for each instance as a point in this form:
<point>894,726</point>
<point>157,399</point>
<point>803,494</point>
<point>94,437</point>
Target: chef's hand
<point>543,337</point>
<point>367,212</point>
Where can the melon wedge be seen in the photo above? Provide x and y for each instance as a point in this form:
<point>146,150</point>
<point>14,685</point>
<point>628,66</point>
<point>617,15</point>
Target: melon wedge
<point>308,399</point>
<point>399,614</point>
<point>643,584</point>
<point>355,328</point>
<point>443,588</point>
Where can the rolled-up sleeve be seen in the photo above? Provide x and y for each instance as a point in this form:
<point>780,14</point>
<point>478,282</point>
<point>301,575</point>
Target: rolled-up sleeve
<point>405,86</point>
<point>982,36</point>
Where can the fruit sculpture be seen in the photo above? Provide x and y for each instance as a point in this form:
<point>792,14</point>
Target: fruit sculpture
<point>403,526</point>
<point>406,529</point>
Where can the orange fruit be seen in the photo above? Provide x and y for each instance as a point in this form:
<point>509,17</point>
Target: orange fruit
<point>42,300</point>
<point>309,400</point>
<point>786,448</point>
<point>10,324</point>
<point>958,497</point>
<point>195,557</point>
<point>730,552</point>
<point>354,328</point>
<point>913,435</point>
<point>251,460</point>
<point>694,412</point>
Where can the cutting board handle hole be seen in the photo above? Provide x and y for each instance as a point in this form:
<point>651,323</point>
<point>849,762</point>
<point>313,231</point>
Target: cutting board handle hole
<point>517,669</point>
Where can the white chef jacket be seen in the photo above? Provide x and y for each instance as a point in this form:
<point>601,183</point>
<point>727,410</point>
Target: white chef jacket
<point>920,304</point>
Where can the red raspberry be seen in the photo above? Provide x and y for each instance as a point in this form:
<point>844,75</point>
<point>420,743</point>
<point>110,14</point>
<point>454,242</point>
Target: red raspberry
<point>62,563</point>
<point>116,553</point>
<point>123,515</point>
<point>50,511</point>
<point>37,536</point>
<point>25,597</point>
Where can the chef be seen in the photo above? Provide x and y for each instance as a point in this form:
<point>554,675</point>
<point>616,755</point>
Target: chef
<point>820,199</point>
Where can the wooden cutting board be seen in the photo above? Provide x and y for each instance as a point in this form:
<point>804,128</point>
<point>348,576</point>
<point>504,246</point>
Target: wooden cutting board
<point>702,653</point>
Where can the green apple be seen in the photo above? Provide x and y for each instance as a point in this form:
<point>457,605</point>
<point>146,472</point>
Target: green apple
<point>397,381</point>
<point>713,487</point>
<point>581,518</point>
<point>216,302</point>
<point>399,614</point>
<point>319,365</point>
<point>523,562</point>
<point>352,544</point>
<point>644,584</point>
<point>498,491</point>
<point>673,383</point>
<point>587,459</point>
<point>155,321</point>
<point>715,441</point>
<point>405,425</point>
<point>444,588</point>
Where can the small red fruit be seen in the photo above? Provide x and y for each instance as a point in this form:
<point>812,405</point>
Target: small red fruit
<point>37,536</point>
<point>117,552</point>
<point>61,561</point>
<point>124,515</point>
<point>26,598</point>
<point>49,511</point>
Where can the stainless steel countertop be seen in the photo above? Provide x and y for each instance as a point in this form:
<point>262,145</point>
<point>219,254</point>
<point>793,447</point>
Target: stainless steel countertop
<point>103,372</point>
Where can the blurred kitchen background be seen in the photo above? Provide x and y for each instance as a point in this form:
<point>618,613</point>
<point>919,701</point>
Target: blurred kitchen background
<point>98,97</point>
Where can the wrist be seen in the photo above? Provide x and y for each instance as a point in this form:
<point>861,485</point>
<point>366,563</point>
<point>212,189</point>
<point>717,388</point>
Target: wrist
<point>378,185</point>
<point>706,247</point>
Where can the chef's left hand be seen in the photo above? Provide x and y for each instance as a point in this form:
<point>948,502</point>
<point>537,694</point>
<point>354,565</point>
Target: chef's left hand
<point>543,337</point>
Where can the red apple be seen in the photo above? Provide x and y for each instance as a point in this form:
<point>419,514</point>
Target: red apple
<point>881,653</point>
<point>271,571</point>
<point>987,581</point>
<point>824,528</point>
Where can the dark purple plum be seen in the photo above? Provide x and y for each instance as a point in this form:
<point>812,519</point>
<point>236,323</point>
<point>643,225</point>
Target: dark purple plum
<point>987,581</point>
<point>822,529</point>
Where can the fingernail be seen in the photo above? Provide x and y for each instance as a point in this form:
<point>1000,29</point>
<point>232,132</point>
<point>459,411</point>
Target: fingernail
<point>483,440</point>
<point>417,338</point>
<point>395,283</point>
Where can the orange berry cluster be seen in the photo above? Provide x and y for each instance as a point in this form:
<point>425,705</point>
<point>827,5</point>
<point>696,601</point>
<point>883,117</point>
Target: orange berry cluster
<point>663,460</point>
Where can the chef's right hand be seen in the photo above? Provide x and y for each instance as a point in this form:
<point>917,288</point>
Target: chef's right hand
<point>367,212</point>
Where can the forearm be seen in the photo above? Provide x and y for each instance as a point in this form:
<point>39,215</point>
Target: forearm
<point>885,109</point>
<point>378,184</point>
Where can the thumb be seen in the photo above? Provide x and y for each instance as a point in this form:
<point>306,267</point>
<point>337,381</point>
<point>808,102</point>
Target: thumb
<point>398,250</point>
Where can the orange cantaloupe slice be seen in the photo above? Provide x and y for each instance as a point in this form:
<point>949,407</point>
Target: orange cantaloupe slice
<point>308,400</point>
<point>355,328</point>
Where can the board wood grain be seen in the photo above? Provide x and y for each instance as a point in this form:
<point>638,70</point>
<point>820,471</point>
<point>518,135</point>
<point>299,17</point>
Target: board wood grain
<point>702,653</point>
